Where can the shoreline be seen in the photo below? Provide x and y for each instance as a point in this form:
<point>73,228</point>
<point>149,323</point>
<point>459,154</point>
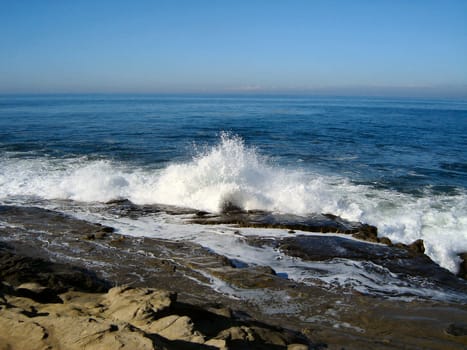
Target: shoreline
<point>290,311</point>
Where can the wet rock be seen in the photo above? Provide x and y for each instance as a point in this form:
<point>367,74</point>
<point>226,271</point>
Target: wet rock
<point>89,236</point>
<point>121,202</point>
<point>97,235</point>
<point>128,208</point>
<point>17,269</point>
<point>457,329</point>
<point>385,240</point>
<point>417,247</point>
<point>324,223</point>
<point>39,219</point>
<point>251,277</point>
<point>365,321</point>
<point>463,266</point>
<point>231,208</point>
<point>408,260</point>
<point>367,233</point>
<point>118,241</point>
<point>166,265</point>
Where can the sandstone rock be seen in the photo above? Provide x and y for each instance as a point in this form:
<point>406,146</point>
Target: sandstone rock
<point>221,344</point>
<point>176,327</point>
<point>13,328</point>
<point>81,333</point>
<point>254,337</point>
<point>126,317</point>
<point>237,333</point>
<point>38,293</point>
<point>140,305</point>
<point>414,324</point>
<point>297,347</point>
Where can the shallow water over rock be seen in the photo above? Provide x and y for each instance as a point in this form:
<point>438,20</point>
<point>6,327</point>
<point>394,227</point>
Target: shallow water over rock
<point>326,312</point>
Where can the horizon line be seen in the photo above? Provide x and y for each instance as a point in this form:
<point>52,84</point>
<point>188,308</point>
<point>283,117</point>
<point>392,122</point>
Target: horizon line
<point>289,94</point>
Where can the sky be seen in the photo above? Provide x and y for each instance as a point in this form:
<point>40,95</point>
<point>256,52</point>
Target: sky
<point>340,47</point>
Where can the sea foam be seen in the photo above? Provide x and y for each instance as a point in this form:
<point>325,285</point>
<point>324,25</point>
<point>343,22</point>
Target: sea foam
<point>231,172</point>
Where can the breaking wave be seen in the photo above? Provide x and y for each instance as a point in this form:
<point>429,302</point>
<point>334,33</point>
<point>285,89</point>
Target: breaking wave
<point>231,172</point>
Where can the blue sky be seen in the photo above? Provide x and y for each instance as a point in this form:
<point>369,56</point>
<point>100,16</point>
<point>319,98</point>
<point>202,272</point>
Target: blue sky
<point>373,47</point>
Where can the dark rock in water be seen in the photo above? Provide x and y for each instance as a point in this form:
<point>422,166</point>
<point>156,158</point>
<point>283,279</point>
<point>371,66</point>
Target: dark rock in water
<point>463,266</point>
<point>17,269</point>
<point>96,235</point>
<point>122,202</point>
<point>457,329</point>
<point>385,240</point>
<point>397,260</point>
<point>417,247</point>
<point>232,214</point>
<point>369,234</point>
<point>128,208</point>
<point>231,208</point>
<point>252,277</point>
<point>323,223</point>
<point>106,229</point>
<point>340,317</point>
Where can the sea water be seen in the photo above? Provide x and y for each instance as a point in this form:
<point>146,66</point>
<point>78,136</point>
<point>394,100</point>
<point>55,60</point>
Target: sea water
<point>400,165</point>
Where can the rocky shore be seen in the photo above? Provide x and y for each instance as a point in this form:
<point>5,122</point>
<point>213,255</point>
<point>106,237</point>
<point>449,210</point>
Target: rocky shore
<point>72,284</point>
<point>66,310</point>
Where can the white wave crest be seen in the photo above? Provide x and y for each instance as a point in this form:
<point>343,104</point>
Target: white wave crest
<point>232,172</point>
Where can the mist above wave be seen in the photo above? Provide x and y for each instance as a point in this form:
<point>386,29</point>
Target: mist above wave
<point>231,172</point>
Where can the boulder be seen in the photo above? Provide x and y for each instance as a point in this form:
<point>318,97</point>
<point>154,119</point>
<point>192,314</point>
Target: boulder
<point>463,266</point>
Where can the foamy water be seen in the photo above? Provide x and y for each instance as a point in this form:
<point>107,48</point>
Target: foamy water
<point>232,172</point>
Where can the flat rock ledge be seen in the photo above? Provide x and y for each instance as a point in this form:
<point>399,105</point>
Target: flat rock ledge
<point>56,272</point>
<point>313,222</point>
<point>126,317</point>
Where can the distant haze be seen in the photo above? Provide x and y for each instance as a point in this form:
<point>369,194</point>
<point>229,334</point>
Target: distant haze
<point>414,48</point>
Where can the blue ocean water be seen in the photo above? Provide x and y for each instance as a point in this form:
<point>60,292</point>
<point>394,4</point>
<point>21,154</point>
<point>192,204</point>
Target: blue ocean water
<point>398,144</point>
<point>397,163</point>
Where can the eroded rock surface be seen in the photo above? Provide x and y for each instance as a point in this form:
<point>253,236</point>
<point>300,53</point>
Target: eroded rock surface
<point>202,316</point>
<point>134,318</point>
<point>400,259</point>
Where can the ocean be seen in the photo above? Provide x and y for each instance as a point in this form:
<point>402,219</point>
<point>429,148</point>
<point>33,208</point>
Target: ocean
<point>398,164</point>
